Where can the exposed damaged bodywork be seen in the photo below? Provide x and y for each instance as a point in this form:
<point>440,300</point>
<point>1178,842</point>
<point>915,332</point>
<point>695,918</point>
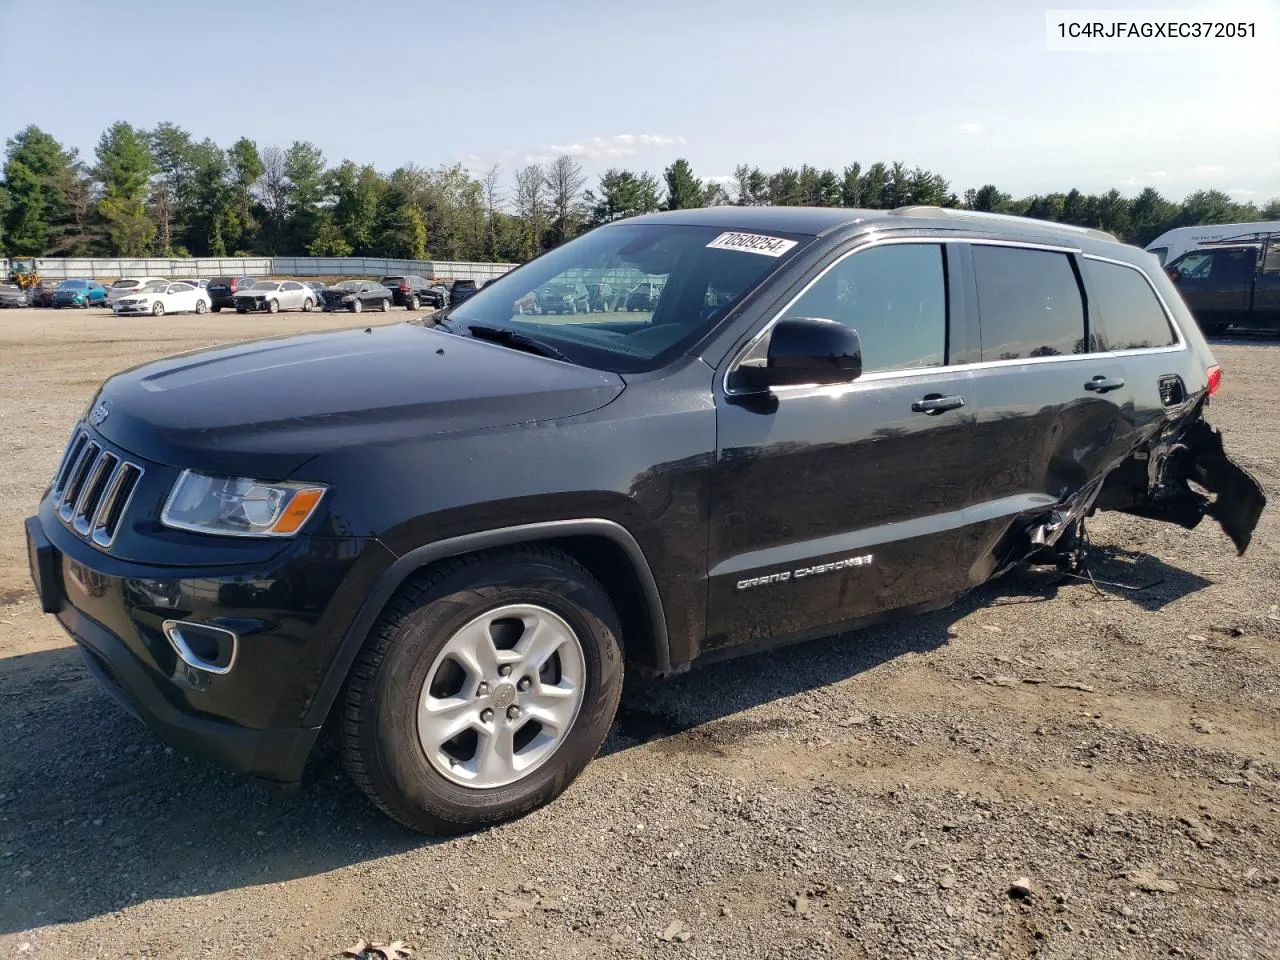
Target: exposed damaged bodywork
<point>1186,477</point>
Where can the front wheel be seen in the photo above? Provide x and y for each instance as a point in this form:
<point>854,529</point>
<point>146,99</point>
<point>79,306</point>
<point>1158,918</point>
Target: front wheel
<point>356,306</point>
<point>273,306</point>
<point>157,309</point>
<point>483,691</point>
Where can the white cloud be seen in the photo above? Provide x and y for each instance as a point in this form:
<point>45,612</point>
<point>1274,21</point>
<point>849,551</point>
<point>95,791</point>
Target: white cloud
<point>620,145</point>
<point>1241,192</point>
<point>1156,175</point>
<point>1211,168</point>
<point>537,158</point>
<point>969,129</point>
<point>1144,180</point>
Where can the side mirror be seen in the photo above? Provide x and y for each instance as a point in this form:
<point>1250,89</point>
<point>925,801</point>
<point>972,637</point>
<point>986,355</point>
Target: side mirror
<point>807,350</point>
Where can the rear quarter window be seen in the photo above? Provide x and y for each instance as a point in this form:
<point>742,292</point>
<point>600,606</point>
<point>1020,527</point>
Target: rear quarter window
<point>1130,314</point>
<point>1029,303</point>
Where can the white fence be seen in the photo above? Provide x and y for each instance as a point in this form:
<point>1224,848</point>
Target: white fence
<point>112,268</point>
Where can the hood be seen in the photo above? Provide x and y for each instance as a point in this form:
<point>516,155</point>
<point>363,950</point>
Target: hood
<point>263,408</point>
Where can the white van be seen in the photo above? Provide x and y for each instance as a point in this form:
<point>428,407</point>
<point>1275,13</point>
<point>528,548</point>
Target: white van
<point>1174,243</point>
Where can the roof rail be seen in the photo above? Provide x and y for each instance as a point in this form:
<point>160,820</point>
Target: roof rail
<point>952,213</point>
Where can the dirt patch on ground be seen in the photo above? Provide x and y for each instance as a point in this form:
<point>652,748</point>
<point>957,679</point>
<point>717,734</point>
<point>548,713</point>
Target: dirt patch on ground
<point>881,794</point>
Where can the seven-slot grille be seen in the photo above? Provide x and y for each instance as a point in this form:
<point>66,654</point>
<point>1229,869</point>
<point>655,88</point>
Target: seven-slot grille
<point>92,488</point>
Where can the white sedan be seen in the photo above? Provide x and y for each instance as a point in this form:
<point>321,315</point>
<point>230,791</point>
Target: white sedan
<point>158,299</point>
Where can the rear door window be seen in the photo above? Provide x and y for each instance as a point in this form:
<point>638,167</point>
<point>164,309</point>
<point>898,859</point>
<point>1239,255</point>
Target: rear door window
<point>1029,303</point>
<point>895,296</point>
<point>1130,313</point>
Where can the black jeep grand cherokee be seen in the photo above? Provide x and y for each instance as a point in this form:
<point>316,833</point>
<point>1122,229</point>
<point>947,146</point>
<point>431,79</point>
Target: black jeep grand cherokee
<point>446,540</point>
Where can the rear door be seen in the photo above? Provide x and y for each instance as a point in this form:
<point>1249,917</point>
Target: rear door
<point>1051,412</point>
<point>834,503</point>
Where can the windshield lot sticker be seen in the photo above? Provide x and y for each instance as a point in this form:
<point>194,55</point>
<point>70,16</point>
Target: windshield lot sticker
<point>752,243</point>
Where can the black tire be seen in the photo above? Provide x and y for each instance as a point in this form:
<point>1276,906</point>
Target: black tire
<point>356,305</point>
<point>157,309</point>
<point>307,304</point>
<point>201,306</point>
<point>385,305</point>
<point>242,309</point>
<point>216,309</point>
<point>273,306</point>
<point>414,302</point>
<point>378,732</point>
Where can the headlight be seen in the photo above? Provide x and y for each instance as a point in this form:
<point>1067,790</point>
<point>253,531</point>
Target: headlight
<point>141,303</point>
<point>237,507</point>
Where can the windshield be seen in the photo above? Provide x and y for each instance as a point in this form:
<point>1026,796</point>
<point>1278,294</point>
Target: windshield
<point>347,285</point>
<point>266,285</point>
<point>72,285</point>
<point>658,287</point>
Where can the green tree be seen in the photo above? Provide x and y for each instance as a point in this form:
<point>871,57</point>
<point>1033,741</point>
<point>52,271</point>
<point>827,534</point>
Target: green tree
<point>875,186</point>
<point>851,186</point>
<point>1271,211</point>
<point>355,192</point>
<point>1214,206</point>
<point>564,181</point>
<point>622,194</point>
<point>124,168</point>
<point>304,171</point>
<point>328,241</point>
<point>239,225</point>
<point>34,171</point>
<point>988,199</point>
<point>1149,216</point>
<point>784,188</point>
<point>684,190</point>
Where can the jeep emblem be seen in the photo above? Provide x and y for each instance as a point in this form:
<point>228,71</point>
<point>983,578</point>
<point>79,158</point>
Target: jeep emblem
<point>98,413</point>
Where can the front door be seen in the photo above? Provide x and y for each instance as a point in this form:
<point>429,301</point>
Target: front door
<point>833,503</point>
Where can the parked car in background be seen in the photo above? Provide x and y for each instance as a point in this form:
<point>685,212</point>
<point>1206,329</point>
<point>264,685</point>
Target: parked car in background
<point>413,292</point>
<point>129,285</point>
<point>459,290</point>
<point>80,293</point>
<point>41,295</point>
<point>643,297</point>
<point>564,298</point>
<point>12,295</point>
<point>1231,283</point>
<point>198,283</point>
<point>158,299</point>
<point>317,287</point>
<point>274,296</point>
<point>223,290</point>
<point>356,295</point>
<point>601,297</point>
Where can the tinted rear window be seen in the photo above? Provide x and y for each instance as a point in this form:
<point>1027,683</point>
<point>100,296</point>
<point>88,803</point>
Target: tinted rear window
<point>125,284</point>
<point>1130,313</point>
<point>1029,302</point>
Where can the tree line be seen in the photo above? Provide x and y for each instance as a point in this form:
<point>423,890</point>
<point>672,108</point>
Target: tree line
<point>162,192</point>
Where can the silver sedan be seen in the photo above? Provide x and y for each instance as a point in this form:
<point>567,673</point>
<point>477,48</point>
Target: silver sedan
<point>274,296</point>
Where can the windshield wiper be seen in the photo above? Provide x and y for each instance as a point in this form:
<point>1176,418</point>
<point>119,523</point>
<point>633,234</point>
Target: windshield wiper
<point>513,338</point>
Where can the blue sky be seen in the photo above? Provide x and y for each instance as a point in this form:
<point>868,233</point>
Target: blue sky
<point>966,87</point>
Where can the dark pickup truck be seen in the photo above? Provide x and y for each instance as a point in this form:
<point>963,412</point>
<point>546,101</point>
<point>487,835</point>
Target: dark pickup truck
<point>1233,282</point>
<point>443,541</point>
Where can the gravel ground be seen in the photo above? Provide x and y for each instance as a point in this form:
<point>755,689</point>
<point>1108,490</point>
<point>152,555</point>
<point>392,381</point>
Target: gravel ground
<point>1046,768</point>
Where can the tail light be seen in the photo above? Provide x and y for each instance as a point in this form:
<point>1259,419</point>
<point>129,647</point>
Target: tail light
<point>1215,378</point>
<point>233,285</point>
<point>404,288</point>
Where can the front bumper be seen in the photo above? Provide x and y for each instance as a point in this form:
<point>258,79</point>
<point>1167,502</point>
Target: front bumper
<point>290,614</point>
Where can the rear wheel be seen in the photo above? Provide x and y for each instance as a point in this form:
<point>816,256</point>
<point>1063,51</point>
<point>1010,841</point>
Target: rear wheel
<point>201,306</point>
<point>483,691</point>
<point>414,302</point>
<point>307,304</point>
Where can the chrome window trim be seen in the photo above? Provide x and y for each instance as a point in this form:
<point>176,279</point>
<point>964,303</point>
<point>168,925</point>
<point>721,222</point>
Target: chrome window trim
<point>880,375</point>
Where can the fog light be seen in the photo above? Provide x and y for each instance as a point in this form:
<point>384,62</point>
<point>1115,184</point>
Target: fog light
<point>204,647</point>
